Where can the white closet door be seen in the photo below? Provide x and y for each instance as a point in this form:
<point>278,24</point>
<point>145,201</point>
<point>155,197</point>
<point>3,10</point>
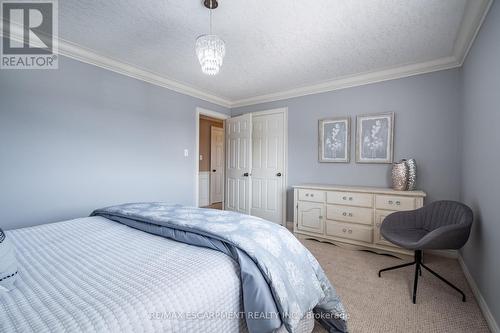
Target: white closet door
<point>238,163</point>
<point>216,164</point>
<point>268,161</point>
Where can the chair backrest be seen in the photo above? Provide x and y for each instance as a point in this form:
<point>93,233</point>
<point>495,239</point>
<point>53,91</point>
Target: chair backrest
<point>442,213</point>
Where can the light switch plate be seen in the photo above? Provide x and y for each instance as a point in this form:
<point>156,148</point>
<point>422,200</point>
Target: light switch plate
<point>186,152</point>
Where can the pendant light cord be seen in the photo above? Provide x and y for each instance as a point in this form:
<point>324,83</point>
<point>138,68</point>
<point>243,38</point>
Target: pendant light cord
<point>210,16</point>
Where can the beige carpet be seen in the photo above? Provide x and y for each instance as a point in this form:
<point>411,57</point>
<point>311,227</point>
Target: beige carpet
<point>384,304</point>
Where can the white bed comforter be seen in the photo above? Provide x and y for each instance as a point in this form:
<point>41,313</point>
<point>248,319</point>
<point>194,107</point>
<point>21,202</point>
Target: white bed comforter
<point>95,275</point>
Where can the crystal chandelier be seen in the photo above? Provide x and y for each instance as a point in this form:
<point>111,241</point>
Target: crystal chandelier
<point>210,49</point>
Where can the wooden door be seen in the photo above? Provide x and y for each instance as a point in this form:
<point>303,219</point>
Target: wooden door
<point>268,187</point>
<point>238,163</point>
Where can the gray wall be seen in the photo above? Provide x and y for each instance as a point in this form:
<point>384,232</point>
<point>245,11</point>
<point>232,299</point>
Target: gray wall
<point>427,128</point>
<point>81,137</point>
<point>481,158</point>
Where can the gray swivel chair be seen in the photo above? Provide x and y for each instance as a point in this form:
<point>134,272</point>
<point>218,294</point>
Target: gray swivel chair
<point>440,225</point>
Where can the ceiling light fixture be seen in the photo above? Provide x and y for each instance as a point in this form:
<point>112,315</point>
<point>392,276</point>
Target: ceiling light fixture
<point>210,48</point>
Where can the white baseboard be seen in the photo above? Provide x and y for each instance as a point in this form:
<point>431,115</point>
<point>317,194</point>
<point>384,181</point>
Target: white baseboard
<point>203,188</point>
<point>493,325</point>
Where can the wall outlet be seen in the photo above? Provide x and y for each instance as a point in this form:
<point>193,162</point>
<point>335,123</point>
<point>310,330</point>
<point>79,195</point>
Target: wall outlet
<point>201,157</point>
<point>186,152</point>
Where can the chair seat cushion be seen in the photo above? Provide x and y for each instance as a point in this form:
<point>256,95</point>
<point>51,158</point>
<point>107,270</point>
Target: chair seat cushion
<point>406,238</point>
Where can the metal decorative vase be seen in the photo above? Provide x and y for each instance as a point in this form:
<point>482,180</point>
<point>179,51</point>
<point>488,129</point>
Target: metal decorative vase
<point>412,174</point>
<point>400,176</point>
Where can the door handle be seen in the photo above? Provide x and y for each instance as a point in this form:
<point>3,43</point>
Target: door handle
<point>246,174</point>
<point>278,174</point>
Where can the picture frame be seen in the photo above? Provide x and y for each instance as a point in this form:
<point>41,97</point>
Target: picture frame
<point>334,140</point>
<point>375,138</point>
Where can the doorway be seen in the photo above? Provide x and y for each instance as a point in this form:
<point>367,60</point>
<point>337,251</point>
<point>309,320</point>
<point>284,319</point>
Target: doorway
<point>256,164</point>
<point>210,158</point>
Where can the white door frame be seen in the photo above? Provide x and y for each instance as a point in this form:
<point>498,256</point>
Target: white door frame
<point>213,114</point>
<point>214,130</point>
<point>284,111</point>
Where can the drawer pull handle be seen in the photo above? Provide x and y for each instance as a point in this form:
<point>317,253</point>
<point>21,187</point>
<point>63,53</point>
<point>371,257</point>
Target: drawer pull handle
<point>398,203</point>
<point>350,214</point>
<point>312,195</point>
<point>391,202</point>
<point>350,231</point>
<point>344,198</point>
<point>350,198</point>
<point>307,194</point>
<point>344,213</point>
<point>344,230</point>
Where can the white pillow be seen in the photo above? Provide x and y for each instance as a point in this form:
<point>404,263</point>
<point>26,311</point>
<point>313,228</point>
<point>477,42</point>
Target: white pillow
<point>8,263</point>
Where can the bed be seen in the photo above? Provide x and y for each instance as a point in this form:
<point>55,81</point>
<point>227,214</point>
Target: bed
<point>96,275</point>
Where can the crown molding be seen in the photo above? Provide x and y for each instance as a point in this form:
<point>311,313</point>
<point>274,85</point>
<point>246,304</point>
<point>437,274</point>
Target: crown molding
<point>354,81</point>
<point>77,52</point>
<point>474,15</point>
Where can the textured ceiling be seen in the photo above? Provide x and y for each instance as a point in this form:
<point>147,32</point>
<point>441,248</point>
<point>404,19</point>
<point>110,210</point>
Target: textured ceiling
<point>271,46</point>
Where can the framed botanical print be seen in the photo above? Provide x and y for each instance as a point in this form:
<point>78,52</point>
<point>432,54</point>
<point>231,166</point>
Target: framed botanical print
<point>375,138</point>
<point>334,140</point>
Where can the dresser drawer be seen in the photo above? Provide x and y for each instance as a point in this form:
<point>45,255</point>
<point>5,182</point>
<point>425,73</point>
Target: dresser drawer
<point>350,198</point>
<point>392,202</point>
<point>350,214</point>
<point>311,195</point>
<point>349,231</point>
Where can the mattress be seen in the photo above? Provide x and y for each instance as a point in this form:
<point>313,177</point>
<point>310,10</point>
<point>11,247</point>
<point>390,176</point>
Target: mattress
<point>95,275</point>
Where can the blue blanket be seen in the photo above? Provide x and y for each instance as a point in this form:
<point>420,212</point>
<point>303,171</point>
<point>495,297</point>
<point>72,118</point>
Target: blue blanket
<point>281,279</point>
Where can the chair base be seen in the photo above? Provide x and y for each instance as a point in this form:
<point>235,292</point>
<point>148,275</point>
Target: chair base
<point>418,271</point>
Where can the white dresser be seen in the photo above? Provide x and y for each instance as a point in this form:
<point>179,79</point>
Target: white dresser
<point>350,214</point>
